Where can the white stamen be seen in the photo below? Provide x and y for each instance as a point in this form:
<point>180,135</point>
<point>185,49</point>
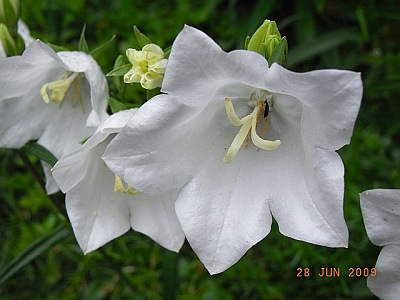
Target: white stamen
<point>230,111</point>
<point>238,141</point>
<point>257,140</point>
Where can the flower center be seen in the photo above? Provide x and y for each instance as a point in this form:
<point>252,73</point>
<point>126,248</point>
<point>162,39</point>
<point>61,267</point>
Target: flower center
<point>261,100</point>
<point>119,187</point>
<point>58,88</point>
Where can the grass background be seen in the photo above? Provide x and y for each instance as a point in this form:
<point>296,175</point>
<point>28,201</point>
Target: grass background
<point>356,35</point>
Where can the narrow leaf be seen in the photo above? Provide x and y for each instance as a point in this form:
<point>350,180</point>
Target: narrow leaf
<point>96,51</point>
<point>246,42</point>
<point>141,38</point>
<point>116,105</point>
<point>36,249</point>
<point>41,152</point>
<point>83,46</point>
<point>167,51</point>
<point>119,71</point>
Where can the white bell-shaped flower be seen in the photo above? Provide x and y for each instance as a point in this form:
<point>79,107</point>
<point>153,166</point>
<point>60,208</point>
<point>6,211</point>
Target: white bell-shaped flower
<point>101,207</point>
<point>57,99</point>
<point>381,213</point>
<point>244,142</point>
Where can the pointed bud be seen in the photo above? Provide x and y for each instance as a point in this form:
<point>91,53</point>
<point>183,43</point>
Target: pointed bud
<point>268,42</point>
<point>7,41</point>
<point>11,46</point>
<point>10,12</point>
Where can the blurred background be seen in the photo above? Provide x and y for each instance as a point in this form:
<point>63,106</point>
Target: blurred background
<point>39,257</point>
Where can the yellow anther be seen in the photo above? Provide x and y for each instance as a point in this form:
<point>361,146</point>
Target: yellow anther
<point>119,187</point>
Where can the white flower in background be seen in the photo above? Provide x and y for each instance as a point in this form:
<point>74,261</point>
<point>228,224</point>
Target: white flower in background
<point>381,213</point>
<point>24,33</point>
<point>148,66</point>
<point>244,142</point>
<point>50,97</point>
<point>101,207</point>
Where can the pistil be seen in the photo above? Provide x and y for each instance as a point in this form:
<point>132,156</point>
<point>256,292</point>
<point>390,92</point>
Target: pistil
<point>249,124</point>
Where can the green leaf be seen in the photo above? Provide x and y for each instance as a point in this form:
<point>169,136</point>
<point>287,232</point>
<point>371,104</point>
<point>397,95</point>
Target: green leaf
<point>41,152</point>
<point>119,61</point>
<point>119,71</point>
<point>118,81</point>
<point>141,38</point>
<point>321,44</point>
<point>96,51</point>
<point>36,249</point>
<point>167,51</point>
<point>83,46</point>
<point>246,42</point>
<point>116,105</point>
<point>362,21</point>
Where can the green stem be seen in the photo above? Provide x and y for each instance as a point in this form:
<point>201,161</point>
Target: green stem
<point>169,274</point>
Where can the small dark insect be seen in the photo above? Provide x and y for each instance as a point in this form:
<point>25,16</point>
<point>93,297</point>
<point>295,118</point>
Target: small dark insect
<point>266,111</point>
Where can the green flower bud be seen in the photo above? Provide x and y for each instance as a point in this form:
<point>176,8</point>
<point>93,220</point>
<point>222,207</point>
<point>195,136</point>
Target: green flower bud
<point>11,46</point>
<point>268,42</point>
<point>10,12</point>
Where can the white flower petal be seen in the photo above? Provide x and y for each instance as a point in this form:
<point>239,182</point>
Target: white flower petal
<point>156,218</point>
<point>65,136</point>
<point>72,169</point>
<point>386,283</point>
<point>82,62</point>
<point>381,213</point>
<point>23,114</point>
<point>192,63</point>
<point>96,212</point>
<point>117,121</point>
<point>331,100</point>
<point>310,208</point>
<point>51,185</point>
<point>223,217</point>
<point>151,148</point>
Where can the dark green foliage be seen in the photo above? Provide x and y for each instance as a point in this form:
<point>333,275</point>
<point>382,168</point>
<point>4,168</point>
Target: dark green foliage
<point>357,35</point>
